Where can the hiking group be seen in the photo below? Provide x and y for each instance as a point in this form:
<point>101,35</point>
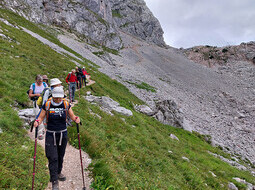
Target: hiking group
<point>53,116</point>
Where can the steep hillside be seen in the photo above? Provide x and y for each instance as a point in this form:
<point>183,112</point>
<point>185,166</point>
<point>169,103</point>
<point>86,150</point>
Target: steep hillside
<point>186,94</point>
<point>133,152</point>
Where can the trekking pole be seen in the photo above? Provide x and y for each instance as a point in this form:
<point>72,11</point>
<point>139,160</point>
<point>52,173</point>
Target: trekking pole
<point>36,132</point>
<point>77,125</point>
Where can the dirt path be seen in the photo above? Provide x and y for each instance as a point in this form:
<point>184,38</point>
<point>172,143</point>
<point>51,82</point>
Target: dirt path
<point>71,167</point>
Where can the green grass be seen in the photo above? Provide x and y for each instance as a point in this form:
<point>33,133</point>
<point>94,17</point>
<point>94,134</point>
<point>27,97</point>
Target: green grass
<point>130,154</point>
<point>115,13</point>
<point>143,85</point>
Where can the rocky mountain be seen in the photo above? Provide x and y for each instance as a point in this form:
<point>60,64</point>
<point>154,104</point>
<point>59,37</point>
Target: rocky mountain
<point>214,56</point>
<point>135,18</point>
<point>96,20</point>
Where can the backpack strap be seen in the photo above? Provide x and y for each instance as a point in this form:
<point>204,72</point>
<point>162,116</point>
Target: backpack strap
<point>69,76</point>
<point>47,107</point>
<point>44,84</point>
<point>33,87</point>
<point>66,105</point>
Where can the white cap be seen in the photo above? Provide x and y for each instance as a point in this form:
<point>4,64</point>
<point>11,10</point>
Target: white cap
<point>58,92</point>
<point>55,81</point>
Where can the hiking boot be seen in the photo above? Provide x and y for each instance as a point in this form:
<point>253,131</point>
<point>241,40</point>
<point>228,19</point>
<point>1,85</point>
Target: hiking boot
<point>55,185</point>
<point>61,177</point>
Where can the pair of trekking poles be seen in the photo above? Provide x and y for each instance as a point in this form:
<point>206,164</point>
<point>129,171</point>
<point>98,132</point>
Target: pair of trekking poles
<point>36,133</point>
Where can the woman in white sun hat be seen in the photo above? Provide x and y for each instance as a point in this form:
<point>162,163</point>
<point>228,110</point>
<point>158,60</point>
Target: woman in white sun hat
<point>55,110</point>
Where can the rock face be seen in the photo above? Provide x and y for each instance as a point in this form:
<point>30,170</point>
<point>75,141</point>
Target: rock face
<point>90,18</point>
<point>134,17</point>
<point>211,56</point>
<point>95,20</point>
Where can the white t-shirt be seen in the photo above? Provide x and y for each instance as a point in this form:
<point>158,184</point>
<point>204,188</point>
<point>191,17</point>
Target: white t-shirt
<point>38,89</point>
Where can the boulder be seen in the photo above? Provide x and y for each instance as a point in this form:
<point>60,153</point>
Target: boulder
<point>107,105</point>
<point>144,109</point>
<point>27,113</point>
<point>232,186</point>
<point>168,113</point>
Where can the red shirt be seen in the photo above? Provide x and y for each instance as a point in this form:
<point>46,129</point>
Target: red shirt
<point>84,72</point>
<point>72,78</point>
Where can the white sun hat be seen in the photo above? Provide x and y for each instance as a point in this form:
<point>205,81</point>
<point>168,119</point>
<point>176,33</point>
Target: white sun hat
<point>58,92</point>
<point>55,81</point>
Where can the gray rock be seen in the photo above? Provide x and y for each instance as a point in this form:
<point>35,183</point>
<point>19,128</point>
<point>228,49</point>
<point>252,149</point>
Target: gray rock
<point>144,109</point>
<point>168,113</point>
<point>172,136</point>
<point>232,186</point>
<point>107,105</point>
<point>27,113</point>
<point>249,185</point>
<point>1,131</point>
<point>185,158</point>
<point>88,93</point>
<point>123,111</point>
<point>212,174</point>
<point>108,102</point>
<point>186,125</point>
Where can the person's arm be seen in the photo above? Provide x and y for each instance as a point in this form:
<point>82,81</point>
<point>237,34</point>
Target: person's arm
<point>46,96</point>
<point>31,95</point>
<point>67,79</point>
<point>40,118</point>
<point>75,118</point>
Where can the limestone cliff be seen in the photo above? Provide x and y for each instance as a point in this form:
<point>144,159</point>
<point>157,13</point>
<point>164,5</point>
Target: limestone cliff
<point>134,17</point>
<point>97,20</point>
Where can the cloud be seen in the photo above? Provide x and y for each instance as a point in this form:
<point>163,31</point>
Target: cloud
<point>205,22</point>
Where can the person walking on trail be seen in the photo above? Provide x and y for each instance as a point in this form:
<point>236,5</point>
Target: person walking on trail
<point>46,94</point>
<point>45,79</point>
<point>83,79</point>
<point>37,88</point>
<point>55,82</point>
<point>71,79</point>
<point>79,74</point>
<point>55,110</point>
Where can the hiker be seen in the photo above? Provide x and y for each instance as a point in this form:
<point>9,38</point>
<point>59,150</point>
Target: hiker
<point>37,88</point>
<point>53,83</point>
<point>45,79</point>
<point>55,110</point>
<point>79,74</point>
<point>83,78</point>
<point>71,79</point>
<point>45,95</point>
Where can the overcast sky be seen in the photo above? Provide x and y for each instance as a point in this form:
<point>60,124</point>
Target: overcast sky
<point>188,23</point>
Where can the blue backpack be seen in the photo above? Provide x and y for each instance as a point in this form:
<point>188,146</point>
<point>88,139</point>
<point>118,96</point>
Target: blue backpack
<point>33,87</point>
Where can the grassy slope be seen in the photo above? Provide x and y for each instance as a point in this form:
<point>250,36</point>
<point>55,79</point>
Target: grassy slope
<point>123,155</point>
